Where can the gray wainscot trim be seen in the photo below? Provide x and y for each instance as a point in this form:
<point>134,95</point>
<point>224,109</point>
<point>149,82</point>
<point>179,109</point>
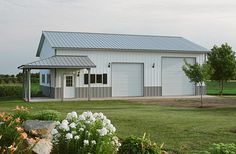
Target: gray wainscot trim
<point>198,90</point>
<point>57,93</point>
<point>152,91</point>
<point>47,91</point>
<point>96,92</point>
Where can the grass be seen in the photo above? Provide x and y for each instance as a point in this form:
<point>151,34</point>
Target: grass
<point>229,88</point>
<point>182,129</point>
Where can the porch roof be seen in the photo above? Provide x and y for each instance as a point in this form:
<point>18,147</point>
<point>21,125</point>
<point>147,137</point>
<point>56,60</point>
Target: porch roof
<point>60,62</point>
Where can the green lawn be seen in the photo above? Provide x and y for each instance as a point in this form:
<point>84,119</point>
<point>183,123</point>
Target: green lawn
<point>229,88</point>
<point>182,129</point>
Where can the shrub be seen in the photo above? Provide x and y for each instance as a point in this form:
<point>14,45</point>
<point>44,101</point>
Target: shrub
<point>140,145</point>
<point>11,90</point>
<point>86,133</point>
<point>222,148</point>
<point>47,115</point>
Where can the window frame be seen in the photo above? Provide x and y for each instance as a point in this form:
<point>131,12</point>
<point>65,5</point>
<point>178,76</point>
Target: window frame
<point>92,76</point>
<point>70,83</point>
<point>48,78</point>
<point>43,78</point>
<point>101,79</point>
<point>104,78</point>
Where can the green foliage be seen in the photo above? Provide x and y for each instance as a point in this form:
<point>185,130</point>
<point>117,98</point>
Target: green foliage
<point>7,90</point>
<point>7,79</point>
<point>223,64</point>
<point>222,148</point>
<point>12,90</point>
<point>197,73</point>
<point>12,135</point>
<point>47,115</point>
<point>140,145</point>
<point>22,112</point>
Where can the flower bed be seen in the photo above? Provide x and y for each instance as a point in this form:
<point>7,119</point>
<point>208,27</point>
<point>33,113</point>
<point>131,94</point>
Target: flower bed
<point>86,133</point>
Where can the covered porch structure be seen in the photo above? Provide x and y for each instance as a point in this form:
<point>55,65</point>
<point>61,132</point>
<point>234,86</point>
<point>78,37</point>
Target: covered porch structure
<point>55,63</point>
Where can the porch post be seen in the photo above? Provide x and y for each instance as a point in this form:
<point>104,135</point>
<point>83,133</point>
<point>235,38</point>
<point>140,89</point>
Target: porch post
<point>26,84</point>
<point>29,85</point>
<point>23,83</point>
<point>62,87</point>
<point>89,91</point>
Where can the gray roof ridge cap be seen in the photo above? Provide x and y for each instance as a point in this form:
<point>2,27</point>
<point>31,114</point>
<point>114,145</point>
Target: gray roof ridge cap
<point>107,33</point>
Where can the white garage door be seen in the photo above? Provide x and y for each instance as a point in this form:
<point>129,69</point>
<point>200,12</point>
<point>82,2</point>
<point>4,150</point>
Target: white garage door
<point>127,80</point>
<point>174,81</point>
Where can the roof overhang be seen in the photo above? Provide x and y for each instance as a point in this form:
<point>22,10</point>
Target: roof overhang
<point>60,62</point>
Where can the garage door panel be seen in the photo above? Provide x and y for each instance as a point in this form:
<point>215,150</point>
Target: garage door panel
<point>127,79</point>
<point>174,80</point>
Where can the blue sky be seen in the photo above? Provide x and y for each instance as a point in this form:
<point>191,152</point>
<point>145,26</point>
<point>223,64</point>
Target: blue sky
<point>22,21</point>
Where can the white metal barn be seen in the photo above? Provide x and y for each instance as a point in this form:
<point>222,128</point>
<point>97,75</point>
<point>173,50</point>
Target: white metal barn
<point>80,65</point>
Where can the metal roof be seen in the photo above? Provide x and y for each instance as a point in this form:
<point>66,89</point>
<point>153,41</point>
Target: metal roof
<point>61,62</point>
<point>83,40</point>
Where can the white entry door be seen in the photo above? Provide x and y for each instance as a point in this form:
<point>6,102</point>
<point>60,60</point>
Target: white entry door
<point>127,79</point>
<point>174,80</point>
<point>69,88</point>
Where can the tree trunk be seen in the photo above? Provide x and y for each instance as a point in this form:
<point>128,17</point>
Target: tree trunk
<point>201,94</point>
<point>222,88</point>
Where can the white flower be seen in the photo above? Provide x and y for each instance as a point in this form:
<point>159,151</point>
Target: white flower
<point>81,129</point>
<point>86,142</point>
<point>87,122</point>
<point>57,123</point>
<point>72,115</point>
<point>72,125</point>
<point>93,142</point>
<point>92,118</point>
<point>54,131</point>
<point>81,117</point>
<point>73,132</point>
<point>119,144</point>
<point>112,143</point>
<point>77,137</point>
<point>102,132</point>
<point>64,126</point>
<point>69,136</point>
<point>111,128</point>
<point>65,122</point>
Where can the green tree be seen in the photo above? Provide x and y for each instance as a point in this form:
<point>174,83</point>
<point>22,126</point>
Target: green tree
<point>197,74</point>
<point>223,64</point>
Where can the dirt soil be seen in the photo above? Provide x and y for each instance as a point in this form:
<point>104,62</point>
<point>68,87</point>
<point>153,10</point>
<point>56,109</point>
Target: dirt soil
<point>208,102</point>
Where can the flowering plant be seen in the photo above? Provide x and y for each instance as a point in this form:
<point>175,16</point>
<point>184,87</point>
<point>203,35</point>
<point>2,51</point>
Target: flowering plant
<point>86,133</point>
<point>12,136</point>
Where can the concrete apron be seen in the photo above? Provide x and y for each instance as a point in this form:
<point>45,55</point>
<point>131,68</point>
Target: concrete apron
<point>48,99</point>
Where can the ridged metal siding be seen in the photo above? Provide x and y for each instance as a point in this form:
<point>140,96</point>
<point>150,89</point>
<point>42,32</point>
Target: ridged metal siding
<point>198,90</point>
<point>119,41</point>
<point>62,62</point>
<point>152,91</point>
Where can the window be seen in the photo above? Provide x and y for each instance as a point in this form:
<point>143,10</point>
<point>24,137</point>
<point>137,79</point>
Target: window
<point>92,78</point>
<point>96,78</point>
<point>43,78</point>
<point>99,78</point>
<point>48,78</point>
<point>85,78</point>
<point>69,81</point>
<point>104,78</point>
